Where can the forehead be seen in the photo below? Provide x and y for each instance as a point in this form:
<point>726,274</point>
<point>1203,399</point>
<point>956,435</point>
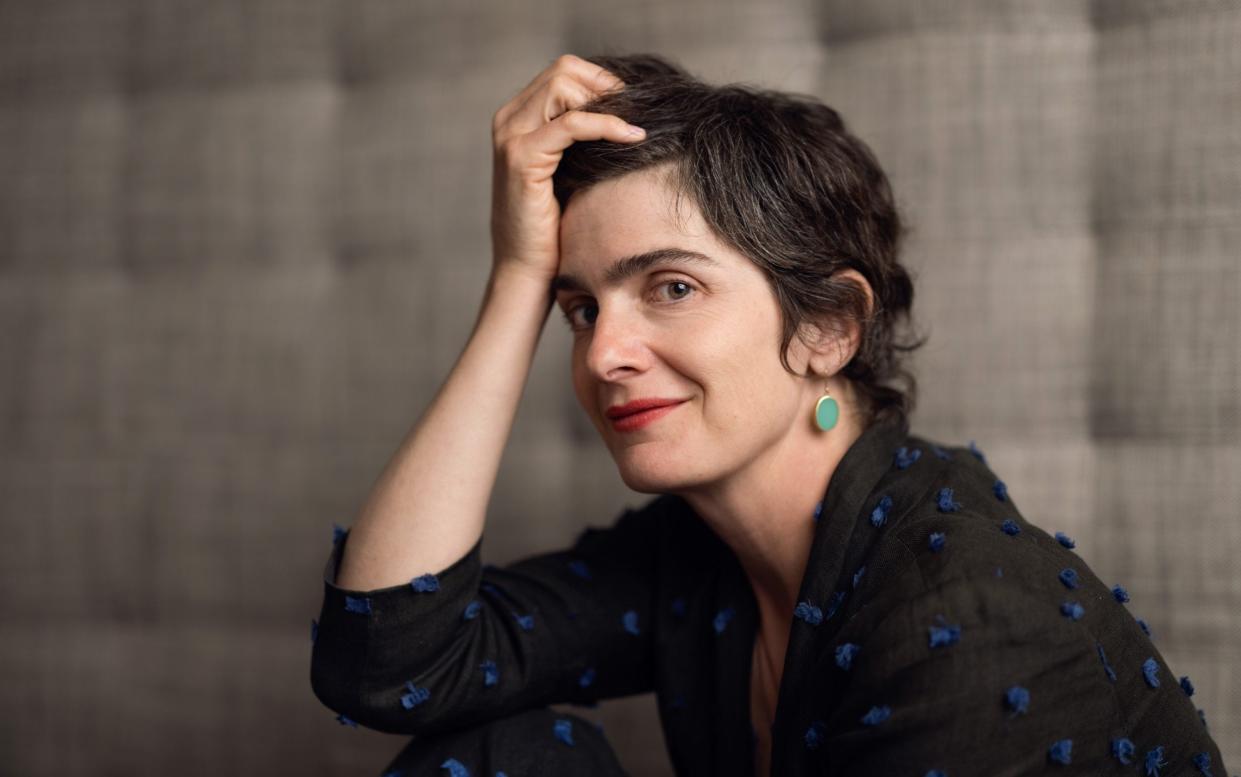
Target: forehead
<point>630,214</point>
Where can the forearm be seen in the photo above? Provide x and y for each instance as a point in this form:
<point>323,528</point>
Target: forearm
<point>428,506</point>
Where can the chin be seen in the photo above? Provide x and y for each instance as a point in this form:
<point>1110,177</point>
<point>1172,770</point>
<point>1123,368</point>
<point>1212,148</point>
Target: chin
<point>644,484</point>
<point>648,470</point>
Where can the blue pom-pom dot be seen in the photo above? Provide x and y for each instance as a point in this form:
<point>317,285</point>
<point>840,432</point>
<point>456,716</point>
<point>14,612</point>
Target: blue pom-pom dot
<point>1017,699</point>
<point>877,715</point>
<point>580,569</point>
<point>1120,594</point>
<point>905,457</point>
<point>1061,752</point>
<point>1154,761</point>
<point>1202,762</point>
<point>471,610</point>
<point>587,678</point>
<point>563,730</point>
<point>455,768</point>
<point>338,533</point>
<point>977,453</point>
<point>944,634</point>
<point>722,618</point>
<point>880,513</point>
<point>357,604</point>
<point>936,541</point>
<point>427,583</point>
<point>1122,750</point>
<point>936,773</point>
<point>1146,629</point>
<point>1010,527</point>
<point>491,673</point>
<point>941,453</point>
<point>1068,576</point>
<point>1000,490</point>
<point>1065,540</point>
<point>1150,672</point>
<point>415,696</point>
<point>944,501</point>
<point>347,721</point>
<point>845,653</point>
<point>525,621</point>
<point>809,613</point>
<point>630,622</point>
<point>815,735</point>
<point>1072,610</point>
<point>1187,686</point>
<point>818,510</point>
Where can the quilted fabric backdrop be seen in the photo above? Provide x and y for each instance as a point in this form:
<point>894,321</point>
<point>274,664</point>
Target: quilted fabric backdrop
<point>243,241</point>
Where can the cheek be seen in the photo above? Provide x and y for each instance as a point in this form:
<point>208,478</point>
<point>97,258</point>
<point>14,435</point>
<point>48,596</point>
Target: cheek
<point>583,386</point>
<point>742,373</point>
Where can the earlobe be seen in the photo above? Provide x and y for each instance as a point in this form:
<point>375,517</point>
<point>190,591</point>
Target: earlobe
<point>845,332</point>
<point>830,345</point>
<point>828,342</point>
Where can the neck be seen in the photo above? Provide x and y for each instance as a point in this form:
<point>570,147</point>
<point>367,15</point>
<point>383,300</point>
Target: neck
<point>765,513</point>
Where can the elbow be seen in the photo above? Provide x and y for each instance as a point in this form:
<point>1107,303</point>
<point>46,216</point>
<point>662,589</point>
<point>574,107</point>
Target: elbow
<point>336,689</point>
<point>348,693</point>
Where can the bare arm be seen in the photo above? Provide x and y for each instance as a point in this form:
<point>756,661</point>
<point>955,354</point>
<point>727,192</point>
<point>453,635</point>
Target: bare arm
<point>428,506</point>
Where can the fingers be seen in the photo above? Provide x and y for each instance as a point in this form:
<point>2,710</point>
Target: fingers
<point>567,83</point>
<point>555,136</point>
<point>588,74</point>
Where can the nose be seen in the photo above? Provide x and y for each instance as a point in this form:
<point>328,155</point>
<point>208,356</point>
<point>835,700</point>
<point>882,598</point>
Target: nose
<point>617,344</point>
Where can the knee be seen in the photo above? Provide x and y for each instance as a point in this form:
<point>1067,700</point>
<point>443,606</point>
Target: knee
<point>534,741</point>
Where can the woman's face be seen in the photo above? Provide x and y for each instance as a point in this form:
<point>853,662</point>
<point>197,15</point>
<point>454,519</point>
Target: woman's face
<point>703,332</point>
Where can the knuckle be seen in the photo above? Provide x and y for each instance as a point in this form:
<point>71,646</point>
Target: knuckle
<point>508,151</point>
<point>565,60</point>
<point>503,150</point>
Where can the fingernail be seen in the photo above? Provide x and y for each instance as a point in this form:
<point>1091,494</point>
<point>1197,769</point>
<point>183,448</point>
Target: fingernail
<point>636,132</point>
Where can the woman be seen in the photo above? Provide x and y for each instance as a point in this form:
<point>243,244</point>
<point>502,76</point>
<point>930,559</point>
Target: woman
<point>814,591</point>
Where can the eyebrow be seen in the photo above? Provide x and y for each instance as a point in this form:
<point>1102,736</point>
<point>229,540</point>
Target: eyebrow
<point>633,265</point>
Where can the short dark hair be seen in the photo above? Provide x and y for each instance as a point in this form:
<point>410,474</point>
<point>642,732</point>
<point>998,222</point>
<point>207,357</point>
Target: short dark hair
<point>778,177</point>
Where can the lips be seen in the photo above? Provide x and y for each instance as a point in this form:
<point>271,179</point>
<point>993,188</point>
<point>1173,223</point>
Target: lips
<point>639,405</point>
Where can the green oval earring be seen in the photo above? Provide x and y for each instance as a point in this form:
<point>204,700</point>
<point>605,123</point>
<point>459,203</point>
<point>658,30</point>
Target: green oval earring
<point>826,411</point>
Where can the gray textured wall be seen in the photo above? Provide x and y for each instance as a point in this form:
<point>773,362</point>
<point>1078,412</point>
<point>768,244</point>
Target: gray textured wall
<point>242,242</point>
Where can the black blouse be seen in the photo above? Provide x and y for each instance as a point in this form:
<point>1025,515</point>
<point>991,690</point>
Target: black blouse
<point>936,630</point>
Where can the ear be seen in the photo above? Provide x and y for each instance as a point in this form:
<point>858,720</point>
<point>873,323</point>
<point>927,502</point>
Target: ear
<point>831,341</point>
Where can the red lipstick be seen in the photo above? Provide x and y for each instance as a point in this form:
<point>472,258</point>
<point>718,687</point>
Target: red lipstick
<point>640,412</point>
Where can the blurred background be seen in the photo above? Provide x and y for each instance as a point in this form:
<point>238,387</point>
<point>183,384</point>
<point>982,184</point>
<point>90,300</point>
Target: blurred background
<point>242,243</point>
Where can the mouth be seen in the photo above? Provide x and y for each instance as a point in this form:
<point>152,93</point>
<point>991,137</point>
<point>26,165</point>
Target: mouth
<point>635,415</point>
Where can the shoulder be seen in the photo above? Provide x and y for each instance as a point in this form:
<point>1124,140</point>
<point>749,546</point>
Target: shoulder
<point>959,544</point>
<point>972,621</point>
<point>960,561</point>
<point>958,520</point>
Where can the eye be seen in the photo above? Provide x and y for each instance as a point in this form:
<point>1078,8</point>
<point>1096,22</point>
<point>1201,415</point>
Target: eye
<point>571,311</point>
<point>681,290</point>
<point>687,288</point>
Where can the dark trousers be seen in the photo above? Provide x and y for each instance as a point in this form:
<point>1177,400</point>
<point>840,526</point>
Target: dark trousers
<point>532,742</point>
